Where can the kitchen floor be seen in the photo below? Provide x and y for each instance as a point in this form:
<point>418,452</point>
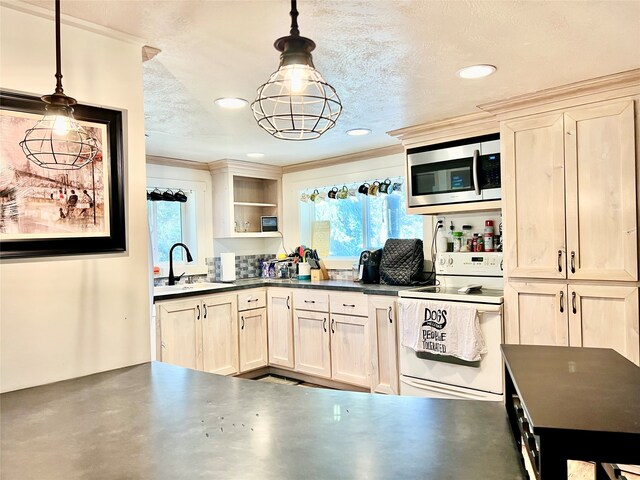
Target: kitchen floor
<point>287,381</point>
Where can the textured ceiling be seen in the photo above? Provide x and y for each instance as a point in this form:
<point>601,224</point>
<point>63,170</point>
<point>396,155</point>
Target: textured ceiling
<point>392,62</point>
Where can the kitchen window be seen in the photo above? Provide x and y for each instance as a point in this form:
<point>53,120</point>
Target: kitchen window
<point>359,222</point>
<point>185,222</point>
<point>169,223</point>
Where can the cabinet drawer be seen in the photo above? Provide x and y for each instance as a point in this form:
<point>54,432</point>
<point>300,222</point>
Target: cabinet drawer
<point>252,299</point>
<point>311,300</point>
<point>349,304</point>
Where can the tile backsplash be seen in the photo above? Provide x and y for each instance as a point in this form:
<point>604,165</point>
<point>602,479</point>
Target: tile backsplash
<point>247,266</point>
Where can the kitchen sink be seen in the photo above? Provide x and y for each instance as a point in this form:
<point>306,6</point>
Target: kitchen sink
<point>187,287</point>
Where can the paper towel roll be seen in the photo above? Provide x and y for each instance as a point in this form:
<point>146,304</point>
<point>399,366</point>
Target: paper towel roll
<point>228,265</point>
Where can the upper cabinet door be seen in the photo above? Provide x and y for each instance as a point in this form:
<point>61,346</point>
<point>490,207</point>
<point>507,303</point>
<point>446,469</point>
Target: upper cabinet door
<point>533,196</point>
<point>601,192</point>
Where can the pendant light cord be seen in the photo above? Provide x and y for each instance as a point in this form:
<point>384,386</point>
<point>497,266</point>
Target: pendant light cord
<point>294,19</point>
<point>58,61</point>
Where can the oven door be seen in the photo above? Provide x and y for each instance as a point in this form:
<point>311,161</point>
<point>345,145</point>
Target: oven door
<point>483,376</point>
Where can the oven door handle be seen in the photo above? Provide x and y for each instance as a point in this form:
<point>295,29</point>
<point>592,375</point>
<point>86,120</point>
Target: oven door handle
<point>476,155</point>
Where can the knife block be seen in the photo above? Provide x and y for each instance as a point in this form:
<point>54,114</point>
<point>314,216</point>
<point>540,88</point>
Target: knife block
<point>319,274</point>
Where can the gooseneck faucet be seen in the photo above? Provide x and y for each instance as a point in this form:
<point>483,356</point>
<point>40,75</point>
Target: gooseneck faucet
<point>172,278</point>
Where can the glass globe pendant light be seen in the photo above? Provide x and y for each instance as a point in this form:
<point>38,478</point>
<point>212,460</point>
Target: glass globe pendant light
<point>296,103</point>
<point>58,141</point>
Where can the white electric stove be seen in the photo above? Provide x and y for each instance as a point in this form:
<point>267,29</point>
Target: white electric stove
<point>436,376</point>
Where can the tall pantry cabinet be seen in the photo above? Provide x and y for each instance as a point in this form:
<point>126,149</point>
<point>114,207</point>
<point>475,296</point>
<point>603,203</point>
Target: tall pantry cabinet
<point>570,189</point>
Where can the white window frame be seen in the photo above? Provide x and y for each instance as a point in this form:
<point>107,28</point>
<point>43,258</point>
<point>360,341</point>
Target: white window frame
<point>197,229</point>
<point>307,217</point>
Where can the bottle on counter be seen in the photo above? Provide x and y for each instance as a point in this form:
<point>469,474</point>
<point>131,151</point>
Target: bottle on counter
<point>474,243</point>
<point>488,236</point>
<point>480,247</point>
<point>441,241</point>
<point>457,241</point>
<point>467,238</point>
<point>450,239</point>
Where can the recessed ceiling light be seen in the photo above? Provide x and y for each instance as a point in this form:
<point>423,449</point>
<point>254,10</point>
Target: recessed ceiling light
<point>231,102</point>
<point>356,132</point>
<point>255,155</point>
<point>476,71</point>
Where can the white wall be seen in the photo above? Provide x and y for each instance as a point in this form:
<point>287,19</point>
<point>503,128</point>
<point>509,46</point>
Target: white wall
<point>292,183</point>
<point>70,316</point>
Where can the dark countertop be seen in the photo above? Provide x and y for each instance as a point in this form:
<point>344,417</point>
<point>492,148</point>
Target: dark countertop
<point>158,421</point>
<point>568,388</point>
<point>341,285</point>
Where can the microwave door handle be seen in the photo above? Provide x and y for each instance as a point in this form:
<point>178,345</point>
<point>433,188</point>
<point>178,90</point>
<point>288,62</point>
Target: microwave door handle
<point>476,154</point>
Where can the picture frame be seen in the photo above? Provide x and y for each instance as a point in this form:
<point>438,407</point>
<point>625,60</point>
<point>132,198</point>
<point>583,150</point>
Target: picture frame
<point>87,216</point>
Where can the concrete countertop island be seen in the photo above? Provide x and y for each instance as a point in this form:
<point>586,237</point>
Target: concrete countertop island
<point>157,421</point>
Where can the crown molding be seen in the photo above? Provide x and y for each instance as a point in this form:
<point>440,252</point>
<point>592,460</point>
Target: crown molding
<point>342,159</point>
<point>176,162</point>
<point>72,21</point>
<point>259,170</point>
<point>472,124</point>
<point>616,81</point>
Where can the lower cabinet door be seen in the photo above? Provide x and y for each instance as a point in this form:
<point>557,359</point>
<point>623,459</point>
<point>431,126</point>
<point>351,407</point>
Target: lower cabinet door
<point>179,333</point>
<point>220,334</point>
<point>280,321</point>
<point>384,345</point>
<point>253,339</point>
<point>536,313</point>
<point>311,338</point>
<point>605,317</point>
<point>350,349</point>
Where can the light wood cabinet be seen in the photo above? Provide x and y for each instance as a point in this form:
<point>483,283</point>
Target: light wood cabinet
<point>384,345</point>
<point>200,333</point>
<point>575,315</point>
<point>601,192</point>
<point>280,327</point>
<point>243,192</point>
<point>220,334</point>
<point>350,349</point>
<point>536,313</point>
<point>253,339</point>
<point>533,185</point>
<point>312,343</point>
<point>179,328</point>
<point>581,160</point>
<point>605,316</point>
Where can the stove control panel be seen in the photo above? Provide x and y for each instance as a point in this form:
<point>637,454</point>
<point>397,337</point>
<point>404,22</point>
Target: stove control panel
<point>487,264</point>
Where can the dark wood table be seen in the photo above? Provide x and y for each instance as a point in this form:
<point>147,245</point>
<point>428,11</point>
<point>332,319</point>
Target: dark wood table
<point>572,403</point>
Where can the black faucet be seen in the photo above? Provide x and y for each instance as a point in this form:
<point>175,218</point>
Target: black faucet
<point>172,279</point>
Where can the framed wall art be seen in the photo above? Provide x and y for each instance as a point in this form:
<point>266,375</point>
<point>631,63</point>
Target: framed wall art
<point>49,209</point>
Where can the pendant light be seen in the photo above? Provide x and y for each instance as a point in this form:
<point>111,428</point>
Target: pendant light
<point>296,103</point>
<point>58,141</point>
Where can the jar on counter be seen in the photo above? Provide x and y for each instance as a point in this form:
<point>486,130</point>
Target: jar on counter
<point>474,243</point>
<point>488,236</point>
<point>457,241</point>
<point>480,247</point>
<point>467,238</point>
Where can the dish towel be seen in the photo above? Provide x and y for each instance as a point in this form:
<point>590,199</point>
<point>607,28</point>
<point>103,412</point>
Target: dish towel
<point>441,328</point>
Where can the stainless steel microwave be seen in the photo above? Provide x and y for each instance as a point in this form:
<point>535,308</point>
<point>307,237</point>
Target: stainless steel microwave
<point>454,172</point>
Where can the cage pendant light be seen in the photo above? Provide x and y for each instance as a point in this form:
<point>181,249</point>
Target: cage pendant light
<point>296,103</point>
<point>58,141</point>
